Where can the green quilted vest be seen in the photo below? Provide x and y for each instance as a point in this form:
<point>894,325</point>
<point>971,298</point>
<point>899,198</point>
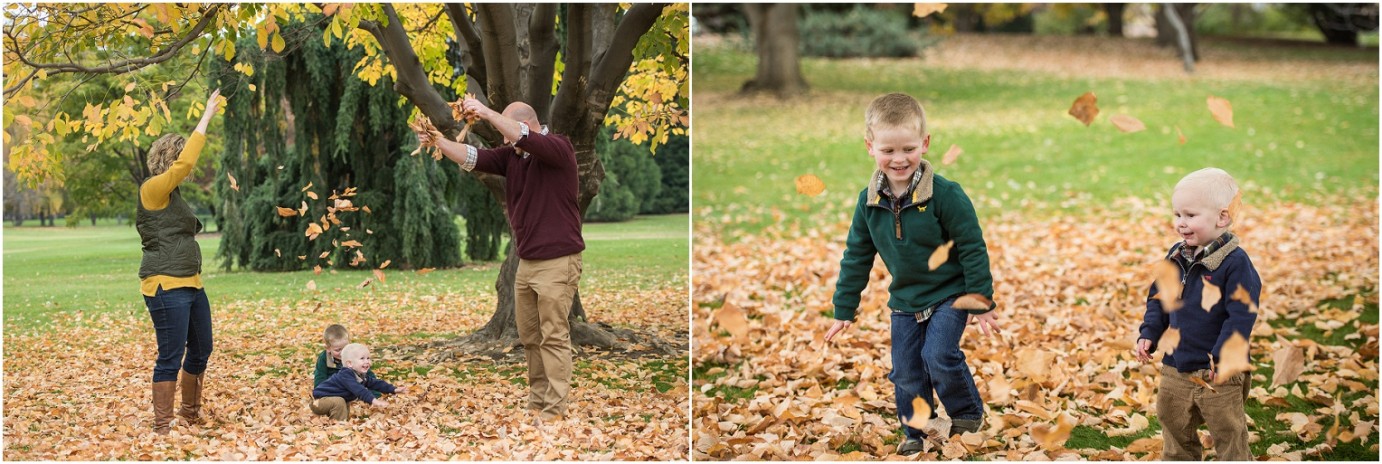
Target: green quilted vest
<point>168,237</point>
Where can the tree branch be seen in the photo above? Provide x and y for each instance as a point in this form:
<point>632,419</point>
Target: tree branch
<point>574,79</point>
<point>132,64</point>
<point>499,47</point>
<point>542,38</point>
<point>412,79</point>
<point>470,43</point>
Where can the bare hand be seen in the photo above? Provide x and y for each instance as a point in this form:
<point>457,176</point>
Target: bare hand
<point>988,323</point>
<point>1142,348</point>
<point>429,138</point>
<point>379,403</point>
<point>473,105</point>
<point>213,102</point>
<point>835,329</point>
<point>398,390</point>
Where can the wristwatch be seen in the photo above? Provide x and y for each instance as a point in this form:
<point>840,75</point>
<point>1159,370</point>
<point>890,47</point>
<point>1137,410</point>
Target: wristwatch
<point>522,131</point>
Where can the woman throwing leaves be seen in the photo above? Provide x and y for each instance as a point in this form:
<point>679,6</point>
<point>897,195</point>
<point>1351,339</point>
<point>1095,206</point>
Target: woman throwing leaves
<point>170,273</point>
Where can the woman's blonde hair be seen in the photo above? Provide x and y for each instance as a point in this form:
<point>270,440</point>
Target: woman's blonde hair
<point>164,152</point>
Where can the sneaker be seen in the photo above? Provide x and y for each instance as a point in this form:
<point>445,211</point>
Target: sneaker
<point>960,426</point>
<point>909,447</point>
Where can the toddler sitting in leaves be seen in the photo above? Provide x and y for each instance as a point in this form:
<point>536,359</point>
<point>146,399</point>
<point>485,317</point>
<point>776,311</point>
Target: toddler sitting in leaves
<point>333,396</point>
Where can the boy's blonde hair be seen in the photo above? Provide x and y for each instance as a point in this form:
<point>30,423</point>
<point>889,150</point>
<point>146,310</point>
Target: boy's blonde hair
<point>894,110</point>
<point>163,153</point>
<point>353,352</point>
<point>1214,184</point>
<point>335,333</point>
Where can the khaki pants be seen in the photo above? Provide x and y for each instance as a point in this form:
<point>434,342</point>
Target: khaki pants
<point>333,406</point>
<point>543,290</point>
<point>1182,406</point>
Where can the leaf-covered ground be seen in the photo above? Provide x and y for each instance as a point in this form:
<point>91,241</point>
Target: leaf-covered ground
<point>1061,381</point>
<point>79,388</point>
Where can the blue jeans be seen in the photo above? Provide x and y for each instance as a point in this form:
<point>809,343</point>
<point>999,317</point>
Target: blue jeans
<point>927,356</point>
<point>182,324</point>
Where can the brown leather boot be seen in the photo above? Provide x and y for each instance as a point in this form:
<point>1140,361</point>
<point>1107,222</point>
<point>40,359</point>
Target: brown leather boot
<point>190,412</point>
<point>163,405</point>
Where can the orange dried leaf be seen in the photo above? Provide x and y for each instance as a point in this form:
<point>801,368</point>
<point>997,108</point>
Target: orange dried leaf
<point>1198,381</point>
<point>810,185</point>
<point>1127,123</point>
<point>1287,364</point>
<point>1085,108</point>
<point>378,274</point>
<point>921,414</point>
<point>286,212</point>
<point>1234,207</point>
<point>234,185</point>
<point>302,210</point>
<point>1233,358</point>
<point>304,189</point>
<point>1221,109</point>
<point>365,283</point>
<point>1169,341</point>
<point>1180,136</point>
<point>386,263</point>
<point>1210,295</point>
<point>951,155</point>
<point>366,208</point>
<point>1167,277</point>
<point>922,10</point>
<point>277,253</point>
<point>425,270</point>
<point>312,195</point>
<point>1050,436</point>
<point>972,301</point>
<point>313,230</point>
<point>351,243</point>
<point>311,285</point>
<point>940,255</point>
<point>317,269</point>
<point>730,318</point>
<point>324,254</point>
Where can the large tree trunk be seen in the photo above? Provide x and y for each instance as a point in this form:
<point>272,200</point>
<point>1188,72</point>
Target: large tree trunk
<point>1114,11</point>
<point>517,45</point>
<point>776,39</point>
<point>1168,36</point>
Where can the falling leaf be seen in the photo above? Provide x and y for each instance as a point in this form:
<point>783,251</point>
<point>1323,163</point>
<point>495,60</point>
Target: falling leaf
<point>1167,277</point>
<point>1233,358</point>
<point>940,255</point>
<point>365,283</point>
<point>1221,109</point>
<point>366,209</point>
<point>1235,206</point>
<point>1180,136</point>
<point>277,253</point>
<point>425,270</point>
<point>730,318</point>
<point>1127,123</point>
<point>973,302</point>
<point>302,211</point>
<point>313,230</point>
<point>302,258</point>
<point>286,212</point>
<point>921,414</point>
<point>386,263</point>
<point>311,285</point>
<point>1210,295</point>
<point>317,269</point>
<point>312,195</point>
<point>810,185</point>
<point>304,189</point>
<point>378,274</point>
<point>951,155</point>
<point>1198,381</point>
<point>324,254</point>
<point>922,10</point>
<point>1170,339</point>
<point>1287,364</point>
<point>351,243</point>
<point>1051,436</point>
<point>1085,108</point>
<point>1241,295</point>
<point>233,184</point>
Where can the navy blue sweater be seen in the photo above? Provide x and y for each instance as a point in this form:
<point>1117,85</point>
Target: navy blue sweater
<point>347,385</point>
<point>1203,333</point>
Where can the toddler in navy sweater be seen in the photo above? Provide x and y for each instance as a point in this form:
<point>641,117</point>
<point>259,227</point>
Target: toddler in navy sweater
<point>333,397</point>
<point>1217,303</point>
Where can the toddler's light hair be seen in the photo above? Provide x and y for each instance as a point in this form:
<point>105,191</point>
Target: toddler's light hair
<point>163,153</point>
<point>335,333</point>
<point>1214,184</point>
<point>353,351</point>
<point>894,110</point>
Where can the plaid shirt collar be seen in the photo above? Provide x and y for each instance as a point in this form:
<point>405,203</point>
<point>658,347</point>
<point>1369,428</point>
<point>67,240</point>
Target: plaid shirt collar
<point>1191,254</point>
<point>887,192</point>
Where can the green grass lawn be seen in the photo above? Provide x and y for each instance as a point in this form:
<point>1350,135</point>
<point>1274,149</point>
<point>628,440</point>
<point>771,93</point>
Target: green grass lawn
<point>1293,139</point>
<point>94,269</point>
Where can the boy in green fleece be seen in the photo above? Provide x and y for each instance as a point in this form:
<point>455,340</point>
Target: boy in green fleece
<point>907,214</point>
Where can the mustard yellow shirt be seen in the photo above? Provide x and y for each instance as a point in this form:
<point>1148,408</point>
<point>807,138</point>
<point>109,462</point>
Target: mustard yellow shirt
<point>155,194</point>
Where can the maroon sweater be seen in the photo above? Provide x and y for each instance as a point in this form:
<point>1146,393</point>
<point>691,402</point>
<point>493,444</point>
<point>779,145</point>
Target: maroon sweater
<point>540,194</point>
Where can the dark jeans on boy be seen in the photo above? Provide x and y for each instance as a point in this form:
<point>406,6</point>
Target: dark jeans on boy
<point>926,357</point>
<point>182,325</point>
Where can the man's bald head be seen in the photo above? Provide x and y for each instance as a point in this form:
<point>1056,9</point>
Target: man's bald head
<point>521,112</point>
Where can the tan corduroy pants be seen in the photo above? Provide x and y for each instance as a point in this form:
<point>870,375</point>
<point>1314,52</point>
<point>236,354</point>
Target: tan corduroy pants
<point>1182,406</point>
<point>333,406</point>
<point>543,290</point>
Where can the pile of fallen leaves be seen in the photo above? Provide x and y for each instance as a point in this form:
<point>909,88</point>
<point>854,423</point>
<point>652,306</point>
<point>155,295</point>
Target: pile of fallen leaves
<point>1071,293</point>
<point>79,388</point>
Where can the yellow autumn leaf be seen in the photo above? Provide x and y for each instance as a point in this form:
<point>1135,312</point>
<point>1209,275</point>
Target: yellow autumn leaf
<point>921,414</point>
<point>1167,277</point>
<point>1210,295</point>
<point>351,243</point>
<point>922,10</point>
<point>1233,358</point>
<point>733,320</point>
<point>317,269</point>
<point>1085,108</point>
<point>809,185</point>
<point>313,230</point>
<point>286,212</point>
<point>278,43</point>
<point>386,263</point>
<point>378,274</point>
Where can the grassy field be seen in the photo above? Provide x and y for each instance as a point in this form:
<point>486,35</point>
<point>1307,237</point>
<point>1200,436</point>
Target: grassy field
<point>93,269</point>
<point>1295,136</point>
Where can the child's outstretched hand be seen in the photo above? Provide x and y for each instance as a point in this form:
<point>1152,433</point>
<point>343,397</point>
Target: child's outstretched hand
<point>398,390</point>
<point>988,323</point>
<point>1143,348</point>
<point>379,403</point>
<point>835,329</point>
